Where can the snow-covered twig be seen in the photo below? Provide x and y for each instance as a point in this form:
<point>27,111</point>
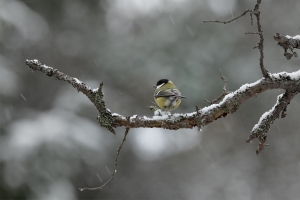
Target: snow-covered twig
<point>262,127</point>
<point>288,42</point>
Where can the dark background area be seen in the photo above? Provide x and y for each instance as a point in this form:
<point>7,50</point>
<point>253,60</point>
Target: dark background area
<point>51,143</point>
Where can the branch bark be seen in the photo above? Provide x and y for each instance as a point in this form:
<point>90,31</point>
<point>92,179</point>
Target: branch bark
<point>262,127</point>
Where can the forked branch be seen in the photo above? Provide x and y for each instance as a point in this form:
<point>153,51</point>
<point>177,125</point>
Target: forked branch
<point>229,104</point>
<point>259,32</point>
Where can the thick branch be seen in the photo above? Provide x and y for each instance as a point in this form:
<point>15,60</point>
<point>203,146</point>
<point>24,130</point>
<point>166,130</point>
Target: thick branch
<point>230,103</point>
<point>288,42</point>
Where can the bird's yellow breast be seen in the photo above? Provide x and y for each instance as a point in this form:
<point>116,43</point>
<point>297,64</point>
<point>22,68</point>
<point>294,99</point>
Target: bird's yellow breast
<point>160,101</point>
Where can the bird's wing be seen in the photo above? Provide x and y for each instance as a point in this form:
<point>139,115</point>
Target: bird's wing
<point>169,93</point>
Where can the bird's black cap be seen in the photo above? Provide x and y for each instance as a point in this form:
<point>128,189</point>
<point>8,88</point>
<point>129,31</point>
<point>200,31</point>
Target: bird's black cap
<point>162,81</point>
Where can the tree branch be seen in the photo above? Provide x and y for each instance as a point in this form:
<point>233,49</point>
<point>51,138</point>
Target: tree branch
<point>288,42</point>
<point>224,93</point>
<point>259,32</point>
<point>226,22</point>
<point>262,127</point>
<point>230,103</point>
<point>256,12</point>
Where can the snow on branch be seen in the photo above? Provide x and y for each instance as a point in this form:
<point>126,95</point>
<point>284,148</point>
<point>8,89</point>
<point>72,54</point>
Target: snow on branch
<point>288,42</point>
<point>262,127</point>
<point>229,104</point>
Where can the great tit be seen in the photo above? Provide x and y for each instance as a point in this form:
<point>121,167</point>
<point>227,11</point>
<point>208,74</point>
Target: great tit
<point>166,95</point>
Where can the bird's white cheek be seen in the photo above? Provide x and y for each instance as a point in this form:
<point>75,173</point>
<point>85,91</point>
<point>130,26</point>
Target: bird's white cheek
<point>159,86</point>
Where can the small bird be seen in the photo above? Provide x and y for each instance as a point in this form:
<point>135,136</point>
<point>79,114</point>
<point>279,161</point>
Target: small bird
<point>166,95</point>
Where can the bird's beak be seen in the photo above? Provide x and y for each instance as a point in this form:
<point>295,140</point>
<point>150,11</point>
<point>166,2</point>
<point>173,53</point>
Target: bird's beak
<point>154,86</point>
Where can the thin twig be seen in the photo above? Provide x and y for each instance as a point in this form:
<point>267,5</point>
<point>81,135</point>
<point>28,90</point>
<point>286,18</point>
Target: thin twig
<point>115,166</point>
<point>252,33</point>
<point>260,46</point>
<point>256,12</point>
<point>225,81</point>
<point>226,22</point>
<point>224,93</point>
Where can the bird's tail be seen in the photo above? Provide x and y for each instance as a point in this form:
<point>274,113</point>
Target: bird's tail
<point>183,97</point>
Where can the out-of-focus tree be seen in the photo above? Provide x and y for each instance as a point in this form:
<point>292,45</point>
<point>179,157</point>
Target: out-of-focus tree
<point>51,145</point>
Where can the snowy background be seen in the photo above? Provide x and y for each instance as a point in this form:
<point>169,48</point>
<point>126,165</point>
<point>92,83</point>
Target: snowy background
<point>51,143</point>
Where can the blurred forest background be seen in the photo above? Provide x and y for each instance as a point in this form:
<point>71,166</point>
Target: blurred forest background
<point>51,143</point>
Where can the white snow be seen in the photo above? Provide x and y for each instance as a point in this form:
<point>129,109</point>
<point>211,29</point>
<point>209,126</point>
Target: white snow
<point>164,117</point>
<point>247,85</point>
<point>77,81</point>
<point>117,115</point>
<point>95,90</point>
<point>160,112</point>
<point>45,66</point>
<point>296,37</point>
<point>293,75</point>
<point>266,114</point>
<point>133,117</point>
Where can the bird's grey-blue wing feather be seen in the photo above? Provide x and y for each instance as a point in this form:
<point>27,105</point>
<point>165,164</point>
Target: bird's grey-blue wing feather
<point>169,93</point>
